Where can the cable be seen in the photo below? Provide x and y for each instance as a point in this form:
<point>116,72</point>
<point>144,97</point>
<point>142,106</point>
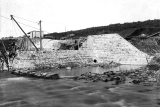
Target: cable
<point>18,17</point>
<point>23,24</point>
<point>27,25</point>
<point>31,26</point>
<point>19,22</point>
<point>5,17</point>
<point>26,19</point>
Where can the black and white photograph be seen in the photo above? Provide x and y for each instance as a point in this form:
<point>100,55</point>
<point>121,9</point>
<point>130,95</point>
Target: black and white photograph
<point>79,53</point>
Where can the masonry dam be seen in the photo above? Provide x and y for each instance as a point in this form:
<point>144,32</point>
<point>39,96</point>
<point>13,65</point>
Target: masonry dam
<point>104,48</point>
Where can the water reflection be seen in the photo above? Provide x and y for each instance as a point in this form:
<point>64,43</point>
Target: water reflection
<point>125,67</point>
<point>100,70</point>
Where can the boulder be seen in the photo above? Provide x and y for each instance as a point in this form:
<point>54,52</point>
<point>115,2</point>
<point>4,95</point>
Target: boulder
<point>136,81</point>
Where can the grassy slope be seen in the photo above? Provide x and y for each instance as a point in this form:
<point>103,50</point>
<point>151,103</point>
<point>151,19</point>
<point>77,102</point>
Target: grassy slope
<point>149,27</point>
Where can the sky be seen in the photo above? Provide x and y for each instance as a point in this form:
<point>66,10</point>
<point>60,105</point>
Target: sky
<point>66,15</point>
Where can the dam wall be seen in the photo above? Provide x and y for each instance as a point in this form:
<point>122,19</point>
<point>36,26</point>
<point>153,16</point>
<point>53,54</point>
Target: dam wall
<point>49,59</point>
<point>105,48</point>
<point>113,47</point>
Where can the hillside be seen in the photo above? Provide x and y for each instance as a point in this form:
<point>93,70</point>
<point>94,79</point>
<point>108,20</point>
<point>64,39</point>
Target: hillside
<point>147,27</point>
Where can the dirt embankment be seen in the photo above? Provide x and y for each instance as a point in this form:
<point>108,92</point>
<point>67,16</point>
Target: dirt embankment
<point>150,46</point>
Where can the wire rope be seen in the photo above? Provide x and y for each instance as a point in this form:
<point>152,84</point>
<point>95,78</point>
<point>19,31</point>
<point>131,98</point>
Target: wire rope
<point>26,20</point>
<point>24,24</point>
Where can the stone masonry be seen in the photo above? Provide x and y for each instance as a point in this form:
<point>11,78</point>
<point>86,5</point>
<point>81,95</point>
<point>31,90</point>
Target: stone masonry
<point>40,59</point>
<point>104,48</point>
<point>113,47</point>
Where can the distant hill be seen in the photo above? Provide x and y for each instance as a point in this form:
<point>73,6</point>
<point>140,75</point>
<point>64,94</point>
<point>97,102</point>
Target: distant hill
<point>126,30</point>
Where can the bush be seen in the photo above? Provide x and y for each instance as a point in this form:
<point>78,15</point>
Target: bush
<point>153,67</point>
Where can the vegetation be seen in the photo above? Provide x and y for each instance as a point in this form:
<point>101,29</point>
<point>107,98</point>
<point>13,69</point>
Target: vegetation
<point>7,43</point>
<point>150,45</point>
<point>149,27</point>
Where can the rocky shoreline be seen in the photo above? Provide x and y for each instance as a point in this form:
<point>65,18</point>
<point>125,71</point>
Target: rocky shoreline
<point>147,76</point>
<point>143,76</point>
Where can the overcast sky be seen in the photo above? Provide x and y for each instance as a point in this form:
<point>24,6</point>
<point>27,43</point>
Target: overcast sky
<point>61,15</point>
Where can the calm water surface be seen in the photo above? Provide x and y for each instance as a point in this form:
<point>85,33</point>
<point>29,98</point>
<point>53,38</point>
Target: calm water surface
<point>31,92</point>
<point>79,71</point>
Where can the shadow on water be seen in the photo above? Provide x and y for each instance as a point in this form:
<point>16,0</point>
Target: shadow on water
<point>5,74</point>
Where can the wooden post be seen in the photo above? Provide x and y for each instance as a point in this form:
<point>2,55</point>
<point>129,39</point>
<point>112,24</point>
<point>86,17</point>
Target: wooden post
<point>24,32</point>
<point>40,35</point>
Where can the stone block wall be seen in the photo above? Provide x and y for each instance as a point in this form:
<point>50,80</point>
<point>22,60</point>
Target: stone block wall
<point>104,48</point>
<point>113,47</point>
<point>33,59</point>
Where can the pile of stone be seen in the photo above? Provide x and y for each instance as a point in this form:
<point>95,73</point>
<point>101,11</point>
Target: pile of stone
<point>117,78</point>
<point>144,77</point>
<point>37,74</point>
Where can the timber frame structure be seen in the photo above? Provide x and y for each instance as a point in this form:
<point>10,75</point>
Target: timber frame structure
<point>12,18</point>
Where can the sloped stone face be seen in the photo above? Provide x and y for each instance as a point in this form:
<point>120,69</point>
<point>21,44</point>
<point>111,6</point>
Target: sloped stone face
<point>113,47</point>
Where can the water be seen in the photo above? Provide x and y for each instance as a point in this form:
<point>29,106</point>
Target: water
<point>100,70</point>
<point>31,92</point>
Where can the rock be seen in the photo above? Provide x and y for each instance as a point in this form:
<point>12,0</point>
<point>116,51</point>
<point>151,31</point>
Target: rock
<point>126,73</point>
<point>55,76</point>
<point>152,80</point>
<point>82,77</point>
<point>24,72</point>
<point>147,84</point>
<point>75,78</point>
<point>117,82</point>
<point>68,68</point>
<point>111,78</point>
<point>136,81</point>
<point>119,79</point>
<point>43,74</point>
<point>95,80</point>
<point>31,73</point>
<point>48,75</point>
<point>38,74</point>
<point>109,73</point>
<point>12,72</point>
<point>93,74</point>
<point>132,75</point>
<point>17,72</point>
<point>106,80</point>
<point>145,77</point>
